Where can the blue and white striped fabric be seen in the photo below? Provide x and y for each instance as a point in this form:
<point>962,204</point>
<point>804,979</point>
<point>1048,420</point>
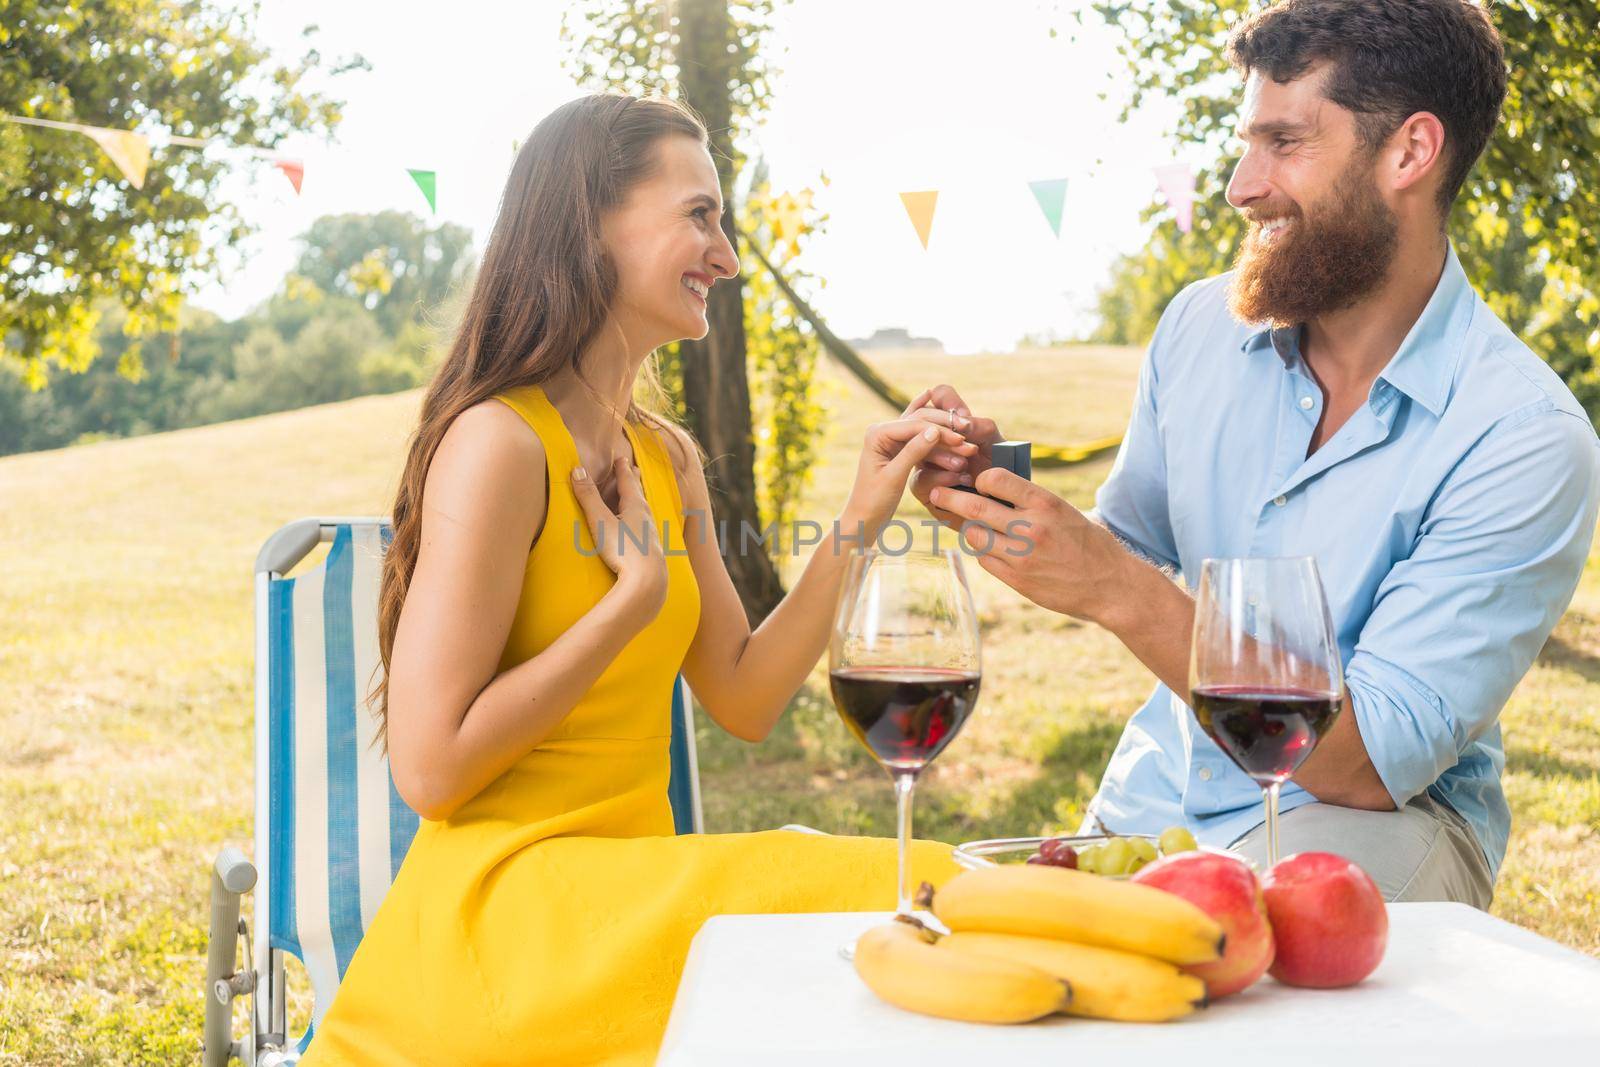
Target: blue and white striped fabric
<point>338,829</point>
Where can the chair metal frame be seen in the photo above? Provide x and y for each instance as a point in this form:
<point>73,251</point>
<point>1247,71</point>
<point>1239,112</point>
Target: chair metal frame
<point>261,978</point>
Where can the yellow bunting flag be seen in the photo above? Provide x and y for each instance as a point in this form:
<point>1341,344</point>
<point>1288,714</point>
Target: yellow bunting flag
<point>128,150</point>
<point>920,207</point>
<point>294,170</point>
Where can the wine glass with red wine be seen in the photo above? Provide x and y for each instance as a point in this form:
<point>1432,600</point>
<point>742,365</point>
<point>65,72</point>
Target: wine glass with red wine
<point>904,666</point>
<point>1264,674</point>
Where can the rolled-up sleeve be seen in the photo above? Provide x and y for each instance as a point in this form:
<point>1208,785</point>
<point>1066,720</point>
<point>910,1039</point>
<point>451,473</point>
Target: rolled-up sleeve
<point>1456,625</point>
<point>1132,502</point>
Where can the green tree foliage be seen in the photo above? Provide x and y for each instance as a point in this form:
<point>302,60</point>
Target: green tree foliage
<point>392,262</point>
<point>1527,222</point>
<point>74,234</point>
<point>305,345</point>
<point>783,351</point>
<point>636,47</point>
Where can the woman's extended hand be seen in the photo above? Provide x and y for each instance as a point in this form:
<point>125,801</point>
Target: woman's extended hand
<point>888,456</point>
<point>943,404</point>
<point>627,539</point>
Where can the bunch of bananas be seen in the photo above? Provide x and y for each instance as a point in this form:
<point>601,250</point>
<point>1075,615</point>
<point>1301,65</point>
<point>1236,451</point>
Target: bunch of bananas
<point>1029,941</point>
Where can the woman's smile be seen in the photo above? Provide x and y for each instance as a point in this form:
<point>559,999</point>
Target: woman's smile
<point>699,285</point>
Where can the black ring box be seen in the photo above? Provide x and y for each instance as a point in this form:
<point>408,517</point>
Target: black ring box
<point>1014,456</point>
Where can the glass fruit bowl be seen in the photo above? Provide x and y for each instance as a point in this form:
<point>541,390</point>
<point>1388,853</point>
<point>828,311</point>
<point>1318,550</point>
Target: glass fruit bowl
<point>996,851</point>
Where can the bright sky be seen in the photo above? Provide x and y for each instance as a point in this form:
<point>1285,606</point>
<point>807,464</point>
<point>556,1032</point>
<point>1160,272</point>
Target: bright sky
<point>974,100</point>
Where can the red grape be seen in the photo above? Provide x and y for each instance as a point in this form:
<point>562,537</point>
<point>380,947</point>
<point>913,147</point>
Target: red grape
<point>1055,852</point>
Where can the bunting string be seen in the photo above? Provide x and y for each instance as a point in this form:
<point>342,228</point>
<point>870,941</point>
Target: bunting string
<point>130,152</point>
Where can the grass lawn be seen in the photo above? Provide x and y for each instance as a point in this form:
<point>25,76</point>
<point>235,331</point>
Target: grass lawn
<point>125,697</point>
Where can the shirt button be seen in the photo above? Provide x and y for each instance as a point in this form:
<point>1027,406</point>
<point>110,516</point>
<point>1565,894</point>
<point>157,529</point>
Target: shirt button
<point>1205,774</point>
<point>1280,501</point>
<point>1306,402</point>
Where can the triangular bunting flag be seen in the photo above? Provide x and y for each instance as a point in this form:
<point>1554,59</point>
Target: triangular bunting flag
<point>1177,185</point>
<point>920,207</point>
<point>129,151</point>
<point>294,170</point>
<point>425,182</point>
<point>1052,195</point>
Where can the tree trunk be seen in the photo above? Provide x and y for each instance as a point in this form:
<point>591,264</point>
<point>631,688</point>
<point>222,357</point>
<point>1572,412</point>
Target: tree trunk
<point>716,389</point>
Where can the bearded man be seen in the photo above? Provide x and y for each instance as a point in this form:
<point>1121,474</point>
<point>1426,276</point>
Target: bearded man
<point>1341,394</point>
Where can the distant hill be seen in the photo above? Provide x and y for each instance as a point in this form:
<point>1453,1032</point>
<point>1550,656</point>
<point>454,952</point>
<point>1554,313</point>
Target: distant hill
<point>895,338</point>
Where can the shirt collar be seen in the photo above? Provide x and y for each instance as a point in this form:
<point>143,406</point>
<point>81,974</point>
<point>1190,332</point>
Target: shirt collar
<point>1425,363</point>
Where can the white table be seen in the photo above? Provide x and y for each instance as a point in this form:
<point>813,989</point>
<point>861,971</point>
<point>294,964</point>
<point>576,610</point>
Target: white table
<point>1456,988</point>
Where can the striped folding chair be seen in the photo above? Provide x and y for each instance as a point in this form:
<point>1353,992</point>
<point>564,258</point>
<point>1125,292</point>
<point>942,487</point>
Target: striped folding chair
<point>330,828</point>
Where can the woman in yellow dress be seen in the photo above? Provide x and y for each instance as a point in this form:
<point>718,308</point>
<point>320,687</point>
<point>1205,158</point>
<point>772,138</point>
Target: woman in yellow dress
<point>552,570</point>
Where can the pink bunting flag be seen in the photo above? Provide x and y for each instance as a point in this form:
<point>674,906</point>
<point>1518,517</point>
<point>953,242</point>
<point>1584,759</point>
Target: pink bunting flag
<point>1177,186</point>
<point>294,170</point>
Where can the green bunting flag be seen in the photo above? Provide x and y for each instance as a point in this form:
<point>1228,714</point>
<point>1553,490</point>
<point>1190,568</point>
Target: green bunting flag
<point>425,182</point>
<point>1052,195</point>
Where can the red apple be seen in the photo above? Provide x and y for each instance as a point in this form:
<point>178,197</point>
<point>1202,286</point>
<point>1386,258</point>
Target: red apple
<point>1226,889</point>
<point>1331,922</point>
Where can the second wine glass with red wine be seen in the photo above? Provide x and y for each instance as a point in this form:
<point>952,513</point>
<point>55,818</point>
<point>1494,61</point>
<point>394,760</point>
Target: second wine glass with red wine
<point>1264,673</point>
<point>904,666</point>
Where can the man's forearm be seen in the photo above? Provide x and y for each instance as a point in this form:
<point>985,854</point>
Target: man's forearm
<point>1339,770</point>
<point>1154,617</point>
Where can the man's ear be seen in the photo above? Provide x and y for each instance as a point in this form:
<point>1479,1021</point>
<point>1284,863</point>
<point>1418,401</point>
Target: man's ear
<point>1415,153</point>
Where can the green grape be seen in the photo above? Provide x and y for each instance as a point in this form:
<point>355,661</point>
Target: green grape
<point>1089,859</point>
<point>1177,839</point>
<point>1118,858</point>
<point>1143,849</point>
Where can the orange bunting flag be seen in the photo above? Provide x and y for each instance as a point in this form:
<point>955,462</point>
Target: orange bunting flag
<point>128,150</point>
<point>294,170</point>
<point>920,207</point>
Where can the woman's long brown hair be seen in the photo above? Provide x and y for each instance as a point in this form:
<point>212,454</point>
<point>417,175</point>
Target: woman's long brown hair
<point>540,296</point>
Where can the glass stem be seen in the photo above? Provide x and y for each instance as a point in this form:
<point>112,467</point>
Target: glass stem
<point>904,783</point>
<point>1269,796</point>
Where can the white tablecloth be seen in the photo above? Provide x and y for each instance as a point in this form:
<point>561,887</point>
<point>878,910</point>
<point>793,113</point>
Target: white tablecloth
<point>1456,988</point>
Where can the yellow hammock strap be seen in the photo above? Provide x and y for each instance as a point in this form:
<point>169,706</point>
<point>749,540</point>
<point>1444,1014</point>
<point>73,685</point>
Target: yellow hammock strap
<point>1067,455</point>
<point>1043,455</point>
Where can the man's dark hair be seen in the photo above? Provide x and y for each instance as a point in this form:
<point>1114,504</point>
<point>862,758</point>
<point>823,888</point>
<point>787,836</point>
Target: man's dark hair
<point>1390,59</point>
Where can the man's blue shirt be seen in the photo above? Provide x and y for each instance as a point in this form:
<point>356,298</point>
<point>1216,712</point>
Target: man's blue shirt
<point>1450,518</point>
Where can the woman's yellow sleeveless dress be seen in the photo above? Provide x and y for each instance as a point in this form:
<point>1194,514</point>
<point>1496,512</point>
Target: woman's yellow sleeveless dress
<point>547,920</point>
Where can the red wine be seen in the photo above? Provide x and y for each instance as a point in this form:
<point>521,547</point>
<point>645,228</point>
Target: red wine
<point>904,715</point>
<point>1267,732</point>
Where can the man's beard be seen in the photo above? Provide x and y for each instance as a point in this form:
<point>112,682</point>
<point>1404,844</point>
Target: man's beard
<point>1328,260</point>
